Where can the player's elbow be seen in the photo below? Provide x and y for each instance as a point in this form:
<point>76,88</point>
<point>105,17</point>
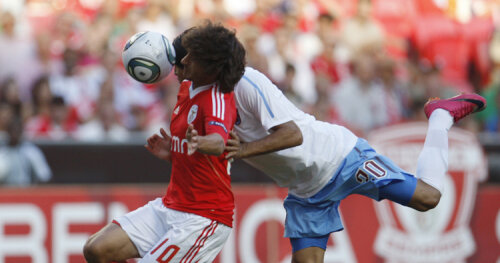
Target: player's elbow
<point>214,149</point>
<point>296,137</point>
<point>287,135</point>
<point>219,148</point>
<point>211,144</point>
<point>291,139</point>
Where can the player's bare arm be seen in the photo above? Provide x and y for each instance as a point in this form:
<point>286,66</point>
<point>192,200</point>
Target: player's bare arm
<point>283,136</point>
<point>159,146</point>
<point>212,144</point>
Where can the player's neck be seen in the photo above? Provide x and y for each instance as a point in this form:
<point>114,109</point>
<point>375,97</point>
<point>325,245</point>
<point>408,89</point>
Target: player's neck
<point>202,84</point>
<point>194,87</point>
<point>202,80</point>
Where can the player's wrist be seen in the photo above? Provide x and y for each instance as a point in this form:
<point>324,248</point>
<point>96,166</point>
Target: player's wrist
<point>167,158</point>
<point>243,151</point>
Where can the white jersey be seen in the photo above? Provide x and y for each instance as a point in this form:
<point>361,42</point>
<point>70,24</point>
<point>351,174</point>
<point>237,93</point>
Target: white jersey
<point>304,169</point>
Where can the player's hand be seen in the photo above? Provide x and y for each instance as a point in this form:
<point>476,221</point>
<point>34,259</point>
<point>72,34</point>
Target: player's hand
<point>159,146</point>
<point>233,146</point>
<point>192,138</point>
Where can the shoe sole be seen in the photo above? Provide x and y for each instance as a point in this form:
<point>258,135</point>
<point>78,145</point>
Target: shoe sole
<point>479,104</point>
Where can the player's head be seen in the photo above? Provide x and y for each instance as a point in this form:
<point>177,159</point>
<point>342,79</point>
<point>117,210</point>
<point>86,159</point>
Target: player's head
<point>217,51</point>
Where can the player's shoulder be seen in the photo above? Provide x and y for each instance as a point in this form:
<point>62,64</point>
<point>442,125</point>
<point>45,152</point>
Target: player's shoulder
<point>252,81</point>
<point>255,85</point>
<point>252,75</point>
<point>212,95</point>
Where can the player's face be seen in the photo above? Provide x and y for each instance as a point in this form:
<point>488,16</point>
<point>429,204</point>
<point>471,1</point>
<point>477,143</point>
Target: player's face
<point>194,71</point>
<point>179,72</point>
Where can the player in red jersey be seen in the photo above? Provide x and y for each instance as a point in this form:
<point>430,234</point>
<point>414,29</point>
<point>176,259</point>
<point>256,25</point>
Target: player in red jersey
<point>194,218</point>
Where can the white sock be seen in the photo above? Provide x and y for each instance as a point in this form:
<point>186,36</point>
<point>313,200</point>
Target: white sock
<point>432,162</point>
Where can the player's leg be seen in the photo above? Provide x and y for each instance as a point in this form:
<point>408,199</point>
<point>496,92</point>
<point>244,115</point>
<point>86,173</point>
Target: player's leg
<point>192,239</point>
<point>308,250</point>
<point>309,222</point>
<point>129,236</point>
<point>425,197</point>
<point>309,255</point>
<point>111,243</point>
<point>432,163</point>
<point>411,192</point>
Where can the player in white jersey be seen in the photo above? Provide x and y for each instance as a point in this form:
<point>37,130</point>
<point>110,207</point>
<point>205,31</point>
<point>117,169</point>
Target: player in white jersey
<point>322,163</point>
<point>304,169</point>
<point>332,162</point>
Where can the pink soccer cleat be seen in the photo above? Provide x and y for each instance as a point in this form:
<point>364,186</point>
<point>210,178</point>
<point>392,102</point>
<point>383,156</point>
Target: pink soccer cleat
<point>458,106</point>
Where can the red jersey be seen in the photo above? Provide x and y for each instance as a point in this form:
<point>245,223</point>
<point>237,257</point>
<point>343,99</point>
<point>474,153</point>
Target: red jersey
<point>200,183</point>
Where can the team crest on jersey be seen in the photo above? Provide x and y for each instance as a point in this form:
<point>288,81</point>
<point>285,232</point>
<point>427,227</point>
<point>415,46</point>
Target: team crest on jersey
<point>176,111</point>
<point>192,113</point>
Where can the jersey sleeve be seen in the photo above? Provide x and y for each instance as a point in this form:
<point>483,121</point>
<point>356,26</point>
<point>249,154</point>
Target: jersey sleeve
<point>220,114</point>
<point>256,93</point>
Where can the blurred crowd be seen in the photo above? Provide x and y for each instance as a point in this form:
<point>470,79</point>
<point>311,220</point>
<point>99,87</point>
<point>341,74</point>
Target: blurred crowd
<point>363,64</point>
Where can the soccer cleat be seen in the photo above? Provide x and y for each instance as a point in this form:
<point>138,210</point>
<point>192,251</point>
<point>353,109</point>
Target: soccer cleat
<point>458,106</point>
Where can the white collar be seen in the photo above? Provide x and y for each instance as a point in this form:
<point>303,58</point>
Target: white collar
<point>194,92</point>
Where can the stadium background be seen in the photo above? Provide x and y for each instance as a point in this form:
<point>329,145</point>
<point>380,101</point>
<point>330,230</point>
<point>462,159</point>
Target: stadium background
<point>61,75</point>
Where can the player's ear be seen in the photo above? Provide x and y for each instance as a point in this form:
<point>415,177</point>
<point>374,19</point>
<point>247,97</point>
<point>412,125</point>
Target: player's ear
<point>185,59</point>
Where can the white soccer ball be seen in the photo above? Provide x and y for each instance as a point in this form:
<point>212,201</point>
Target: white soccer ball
<point>148,56</point>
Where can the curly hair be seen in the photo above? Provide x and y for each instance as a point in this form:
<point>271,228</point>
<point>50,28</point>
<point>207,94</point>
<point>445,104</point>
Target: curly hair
<point>218,50</point>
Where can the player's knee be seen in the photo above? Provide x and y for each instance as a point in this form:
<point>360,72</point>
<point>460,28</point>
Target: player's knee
<point>92,251</point>
<point>429,199</point>
<point>308,255</point>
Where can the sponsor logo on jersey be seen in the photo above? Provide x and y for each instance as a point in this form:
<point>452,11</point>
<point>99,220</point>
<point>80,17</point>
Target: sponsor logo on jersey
<point>442,234</point>
<point>178,144</point>
<point>192,113</point>
<point>220,124</point>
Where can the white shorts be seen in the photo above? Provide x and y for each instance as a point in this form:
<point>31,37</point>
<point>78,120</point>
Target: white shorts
<point>161,234</point>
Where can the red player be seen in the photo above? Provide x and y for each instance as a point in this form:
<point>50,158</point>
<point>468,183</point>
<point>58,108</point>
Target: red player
<point>194,219</point>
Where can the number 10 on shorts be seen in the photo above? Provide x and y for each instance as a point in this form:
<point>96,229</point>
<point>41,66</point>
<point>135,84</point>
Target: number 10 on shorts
<point>370,168</point>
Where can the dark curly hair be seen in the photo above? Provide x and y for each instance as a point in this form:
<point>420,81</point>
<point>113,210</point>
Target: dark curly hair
<point>218,50</point>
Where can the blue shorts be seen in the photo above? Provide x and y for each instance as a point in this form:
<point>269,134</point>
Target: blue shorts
<point>363,172</point>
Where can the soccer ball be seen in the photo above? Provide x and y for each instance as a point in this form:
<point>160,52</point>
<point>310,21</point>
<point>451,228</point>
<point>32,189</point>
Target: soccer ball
<point>148,56</point>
